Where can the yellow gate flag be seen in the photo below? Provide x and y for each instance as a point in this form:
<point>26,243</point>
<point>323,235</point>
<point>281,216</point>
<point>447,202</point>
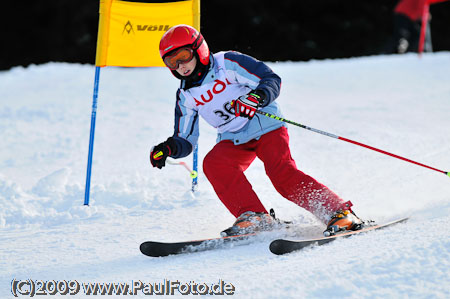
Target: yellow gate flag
<point>129,31</point>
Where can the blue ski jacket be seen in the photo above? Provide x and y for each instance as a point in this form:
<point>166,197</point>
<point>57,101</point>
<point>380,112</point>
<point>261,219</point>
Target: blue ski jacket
<point>230,75</point>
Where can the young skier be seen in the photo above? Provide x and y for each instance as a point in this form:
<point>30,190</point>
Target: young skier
<point>226,89</point>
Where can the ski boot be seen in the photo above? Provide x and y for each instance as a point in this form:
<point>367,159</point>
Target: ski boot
<point>342,221</point>
<point>251,222</point>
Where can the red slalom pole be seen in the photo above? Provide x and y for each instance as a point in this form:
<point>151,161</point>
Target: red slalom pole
<point>349,141</point>
<point>423,28</point>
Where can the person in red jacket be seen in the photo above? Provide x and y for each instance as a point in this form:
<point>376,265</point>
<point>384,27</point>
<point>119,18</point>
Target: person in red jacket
<point>407,27</point>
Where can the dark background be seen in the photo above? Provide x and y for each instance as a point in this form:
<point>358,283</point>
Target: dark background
<point>66,30</point>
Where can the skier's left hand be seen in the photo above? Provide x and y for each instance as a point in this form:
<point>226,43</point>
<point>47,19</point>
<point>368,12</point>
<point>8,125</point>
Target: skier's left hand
<point>246,105</point>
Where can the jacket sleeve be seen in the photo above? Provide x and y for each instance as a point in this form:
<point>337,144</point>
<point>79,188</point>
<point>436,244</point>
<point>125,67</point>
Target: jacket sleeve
<point>255,74</point>
<point>186,130</point>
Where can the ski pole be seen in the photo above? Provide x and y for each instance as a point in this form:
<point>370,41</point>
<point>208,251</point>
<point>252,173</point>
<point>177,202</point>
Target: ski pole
<point>349,140</point>
<point>193,174</point>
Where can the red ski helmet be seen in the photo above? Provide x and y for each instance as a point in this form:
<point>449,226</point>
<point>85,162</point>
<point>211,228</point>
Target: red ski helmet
<point>184,36</point>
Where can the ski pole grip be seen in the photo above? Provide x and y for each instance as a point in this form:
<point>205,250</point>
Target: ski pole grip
<point>157,155</point>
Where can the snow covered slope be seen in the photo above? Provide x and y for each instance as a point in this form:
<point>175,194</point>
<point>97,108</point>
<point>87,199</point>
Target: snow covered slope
<point>400,104</point>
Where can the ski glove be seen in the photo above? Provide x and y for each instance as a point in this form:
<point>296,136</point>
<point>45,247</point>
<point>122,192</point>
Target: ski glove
<point>246,105</point>
<point>159,153</point>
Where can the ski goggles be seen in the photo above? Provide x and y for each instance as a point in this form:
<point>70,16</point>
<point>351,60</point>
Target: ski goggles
<point>181,55</point>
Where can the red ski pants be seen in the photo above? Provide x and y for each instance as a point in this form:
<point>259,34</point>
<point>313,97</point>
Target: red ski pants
<point>225,164</point>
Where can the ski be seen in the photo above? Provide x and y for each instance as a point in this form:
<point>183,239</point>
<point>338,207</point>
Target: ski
<point>158,249</point>
<point>283,246</point>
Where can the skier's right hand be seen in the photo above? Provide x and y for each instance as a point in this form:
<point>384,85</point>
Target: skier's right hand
<point>159,153</point>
